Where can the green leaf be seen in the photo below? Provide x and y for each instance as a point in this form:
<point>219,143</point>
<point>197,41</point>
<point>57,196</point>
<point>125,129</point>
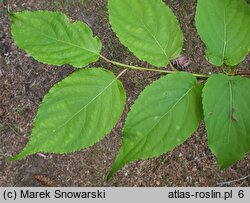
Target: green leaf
<point>50,38</point>
<point>148,28</point>
<point>226,103</point>
<point>76,113</point>
<point>163,117</point>
<point>224,26</point>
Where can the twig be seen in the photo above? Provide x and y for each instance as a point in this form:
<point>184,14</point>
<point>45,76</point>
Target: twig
<point>233,181</point>
<point>172,67</point>
<point>148,69</point>
<point>42,155</point>
<point>245,73</point>
<point>124,71</point>
<point>13,129</point>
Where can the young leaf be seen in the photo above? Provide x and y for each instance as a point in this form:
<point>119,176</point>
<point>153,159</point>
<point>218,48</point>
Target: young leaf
<point>51,38</point>
<point>224,26</point>
<point>163,117</point>
<point>227,114</point>
<point>77,113</point>
<point>148,28</point>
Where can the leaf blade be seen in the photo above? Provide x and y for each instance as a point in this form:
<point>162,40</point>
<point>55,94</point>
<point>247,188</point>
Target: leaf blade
<point>151,132</point>
<point>149,29</point>
<point>224,27</point>
<point>226,110</point>
<point>72,115</point>
<point>50,38</point>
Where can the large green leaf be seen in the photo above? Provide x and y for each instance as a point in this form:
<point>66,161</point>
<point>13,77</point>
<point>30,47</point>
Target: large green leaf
<point>226,103</point>
<point>50,38</point>
<point>224,26</point>
<point>148,28</point>
<point>77,113</point>
<point>164,116</point>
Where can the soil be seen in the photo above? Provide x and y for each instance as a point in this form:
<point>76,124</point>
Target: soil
<point>24,82</point>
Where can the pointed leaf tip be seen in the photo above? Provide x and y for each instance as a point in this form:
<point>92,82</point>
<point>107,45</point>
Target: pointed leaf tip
<point>160,128</point>
<point>76,113</point>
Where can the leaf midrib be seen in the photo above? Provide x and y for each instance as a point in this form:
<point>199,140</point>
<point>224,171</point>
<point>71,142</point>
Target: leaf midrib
<point>146,136</point>
<point>85,106</point>
<point>225,36</point>
<point>157,42</point>
<point>177,102</point>
<point>55,39</point>
<point>150,33</point>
